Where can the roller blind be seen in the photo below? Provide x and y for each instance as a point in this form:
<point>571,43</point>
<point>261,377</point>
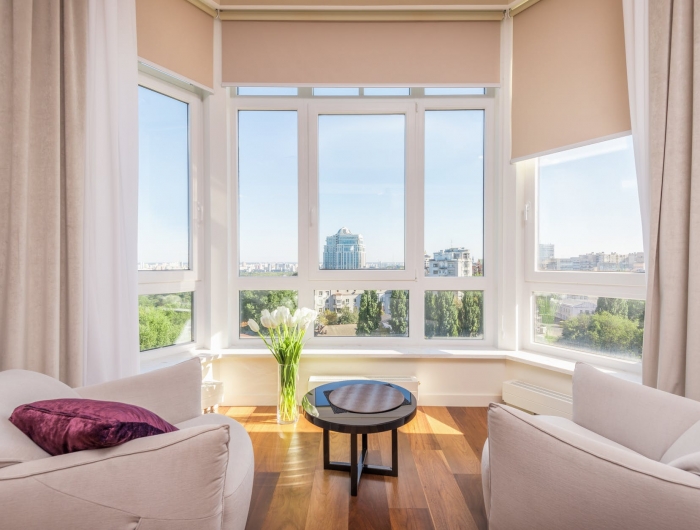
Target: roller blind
<point>177,36</point>
<point>305,53</point>
<point>569,75</point>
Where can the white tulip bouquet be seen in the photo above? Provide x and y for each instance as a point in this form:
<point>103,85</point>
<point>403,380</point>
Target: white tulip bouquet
<point>286,341</point>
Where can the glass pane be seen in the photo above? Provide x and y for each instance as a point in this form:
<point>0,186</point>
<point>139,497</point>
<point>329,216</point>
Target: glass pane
<point>253,302</point>
<point>267,193</point>
<point>588,210</point>
<point>454,314</point>
<point>361,191</point>
<point>267,91</point>
<point>165,319</point>
<point>373,91</point>
<point>164,183</point>
<point>358,313</point>
<point>607,326</point>
<point>454,193</point>
<point>455,91</point>
<point>336,91</point>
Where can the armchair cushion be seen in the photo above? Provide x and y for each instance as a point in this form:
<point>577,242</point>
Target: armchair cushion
<point>61,426</point>
<point>686,444</point>
<point>16,388</point>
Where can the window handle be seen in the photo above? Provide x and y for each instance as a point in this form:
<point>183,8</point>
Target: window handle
<point>526,212</point>
<point>312,216</point>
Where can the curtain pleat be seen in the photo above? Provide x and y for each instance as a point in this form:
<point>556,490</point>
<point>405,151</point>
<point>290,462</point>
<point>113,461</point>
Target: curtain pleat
<point>671,356</point>
<point>42,150</point>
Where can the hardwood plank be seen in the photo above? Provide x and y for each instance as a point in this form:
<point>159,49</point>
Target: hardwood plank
<point>240,414</point>
<point>473,493</point>
<point>472,422</point>
<point>330,499</point>
<point>448,509</point>
<point>458,453</point>
<point>410,519</point>
<point>406,490</point>
<point>263,489</point>
<point>420,433</point>
<point>290,502</point>
<point>369,510</point>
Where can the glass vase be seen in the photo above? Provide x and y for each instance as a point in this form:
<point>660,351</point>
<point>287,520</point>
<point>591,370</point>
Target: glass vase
<point>287,408</point>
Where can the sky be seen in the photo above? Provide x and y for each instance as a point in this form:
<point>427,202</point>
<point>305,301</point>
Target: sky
<point>588,200</point>
<point>163,179</point>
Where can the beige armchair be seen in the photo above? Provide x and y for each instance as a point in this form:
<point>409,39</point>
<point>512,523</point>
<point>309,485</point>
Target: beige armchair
<point>608,468</point>
<point>199,477</point>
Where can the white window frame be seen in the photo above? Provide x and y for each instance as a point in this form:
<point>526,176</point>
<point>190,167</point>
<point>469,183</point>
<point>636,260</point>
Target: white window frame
<point>190,280</point>
<point>602,284</point>
<point>412,278</point>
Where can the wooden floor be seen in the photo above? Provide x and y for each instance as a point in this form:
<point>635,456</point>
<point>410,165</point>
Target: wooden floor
<point>439,482</point>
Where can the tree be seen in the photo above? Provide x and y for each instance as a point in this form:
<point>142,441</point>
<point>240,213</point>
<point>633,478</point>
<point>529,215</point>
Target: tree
<point>604,332</point>
<point>545,308</point>
<point>635,311</point>
<point>370,313</point>
<point>348,315</point>
<point>399,312</point>
<point>614,306</point>
<point>470,314</point>
<point>430,324</point>
<point>446,313</point>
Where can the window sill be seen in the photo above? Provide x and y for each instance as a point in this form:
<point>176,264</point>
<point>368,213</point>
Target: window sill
<point>547,362</point>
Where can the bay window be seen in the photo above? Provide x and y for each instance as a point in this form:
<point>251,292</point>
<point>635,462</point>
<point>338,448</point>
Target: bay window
<point>374,206</point>
<point>169,228</point>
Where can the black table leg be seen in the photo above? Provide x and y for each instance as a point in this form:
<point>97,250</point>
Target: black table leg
<point>357,467</point>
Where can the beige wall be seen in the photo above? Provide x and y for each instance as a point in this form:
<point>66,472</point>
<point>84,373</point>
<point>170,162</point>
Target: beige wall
<point>178,36</point>
<point>361,53</point>
<point>569,75</point>
<point>446,382</point>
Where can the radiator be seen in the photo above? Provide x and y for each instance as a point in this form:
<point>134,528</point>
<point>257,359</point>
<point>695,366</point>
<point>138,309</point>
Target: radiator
<point>537,399</point>
<point>410,383</point>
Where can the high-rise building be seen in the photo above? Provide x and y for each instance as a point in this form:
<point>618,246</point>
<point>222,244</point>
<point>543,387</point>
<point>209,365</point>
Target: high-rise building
<point>344,250</point>
<point>451,262</point>
<point>546,253</point>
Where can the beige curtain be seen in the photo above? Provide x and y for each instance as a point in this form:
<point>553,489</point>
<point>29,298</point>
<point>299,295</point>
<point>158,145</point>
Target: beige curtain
<point>42,123</point>
<point>672,326</point>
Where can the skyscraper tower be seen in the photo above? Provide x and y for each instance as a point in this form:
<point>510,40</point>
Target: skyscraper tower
<point>344,250</point>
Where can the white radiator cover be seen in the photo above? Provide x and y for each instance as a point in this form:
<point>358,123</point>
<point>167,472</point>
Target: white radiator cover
<point>410,383</point>
<point>537,399</point>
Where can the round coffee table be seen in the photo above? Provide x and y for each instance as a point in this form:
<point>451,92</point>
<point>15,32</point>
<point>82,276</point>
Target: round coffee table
<point>325,413</point>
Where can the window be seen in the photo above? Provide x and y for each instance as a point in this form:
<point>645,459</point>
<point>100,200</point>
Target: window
<point>454,192</point>
<point>361,180</point>
<point>165,320</point>
<point>252,304</point>
<point>608,326</point>
<point>266,91</point>
<point>164,182</point>
<point>454,314</point>
<point>331,214</point>
<point>455,91</point>
<point>585,272</point>
<point>588,214</point>
<point>361,313</point>
<point>267,193</point>
<point>169,228</point>
<point>336,91</point>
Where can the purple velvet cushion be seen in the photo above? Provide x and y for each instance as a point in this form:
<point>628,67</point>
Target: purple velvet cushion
<point>62,426</point>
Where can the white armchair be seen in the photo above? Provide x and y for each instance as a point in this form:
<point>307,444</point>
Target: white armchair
<point>199,477</point>
<point>608,468</point>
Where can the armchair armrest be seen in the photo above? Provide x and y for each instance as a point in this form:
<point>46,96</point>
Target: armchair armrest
<point>544,477</point>
<point>173,481</point>
<point>641,418</point>
<point>174,393</point>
